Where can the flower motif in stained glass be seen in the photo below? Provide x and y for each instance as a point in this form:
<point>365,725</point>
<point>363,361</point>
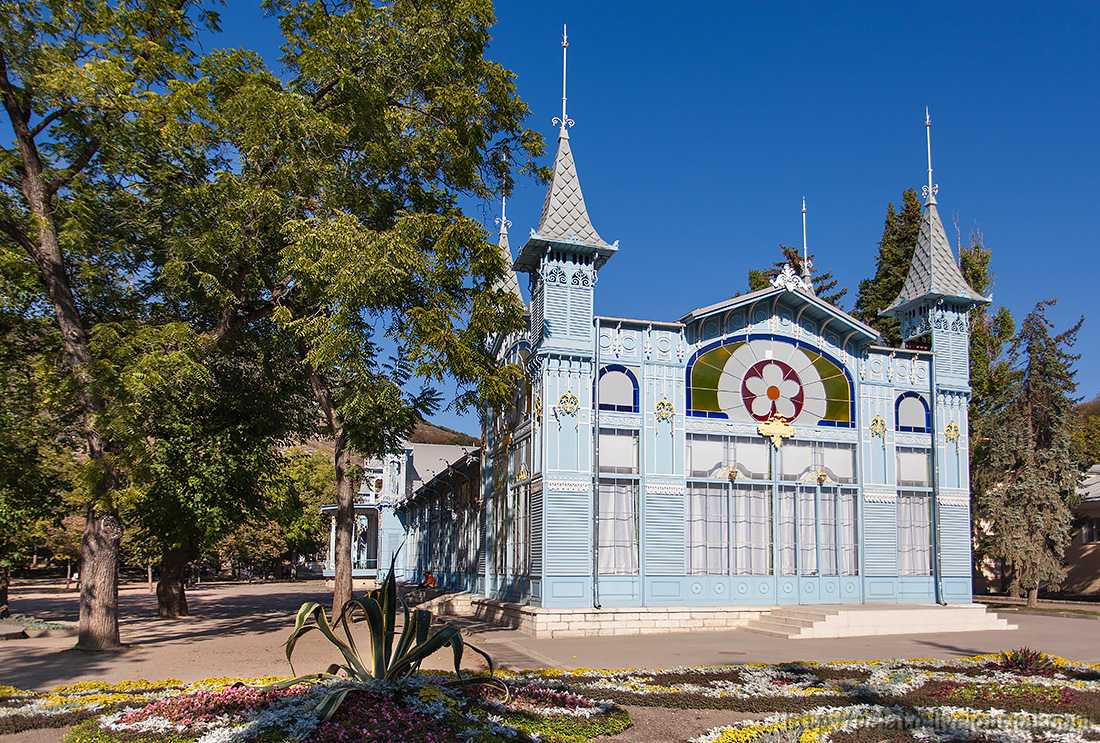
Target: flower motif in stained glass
<point>772,388</point>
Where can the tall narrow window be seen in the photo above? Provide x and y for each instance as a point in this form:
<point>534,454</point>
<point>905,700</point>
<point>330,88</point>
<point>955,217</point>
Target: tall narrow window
<point>618,527</point>
<point>914,534</point>
<point>826,512</point>
<point>847,526</point>
<point>807,533</point>
<point>752,530</point>
<point>787,531</point>
<point>707,533</point>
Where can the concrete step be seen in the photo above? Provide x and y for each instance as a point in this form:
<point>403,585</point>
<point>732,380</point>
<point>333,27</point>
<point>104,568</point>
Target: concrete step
<point>856,621</point>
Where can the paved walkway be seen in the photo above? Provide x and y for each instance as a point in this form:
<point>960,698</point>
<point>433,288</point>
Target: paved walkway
<point>238,630</point>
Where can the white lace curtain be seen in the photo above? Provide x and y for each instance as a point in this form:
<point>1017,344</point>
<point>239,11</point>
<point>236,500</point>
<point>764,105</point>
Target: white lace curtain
<point>618,527</point>
<point>752,530</point>
<point>914,534</point>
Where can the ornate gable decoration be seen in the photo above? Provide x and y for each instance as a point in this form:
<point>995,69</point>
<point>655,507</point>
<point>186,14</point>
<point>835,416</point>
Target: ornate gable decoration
<point>789,280</point>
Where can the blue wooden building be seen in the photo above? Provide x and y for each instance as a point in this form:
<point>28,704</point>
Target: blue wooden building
<point>766,449</point>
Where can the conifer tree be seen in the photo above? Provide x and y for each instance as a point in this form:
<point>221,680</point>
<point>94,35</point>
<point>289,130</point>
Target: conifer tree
<point>895,253</point>
<point>1029,506</point>
<point>825,284</point>
<point>991,373</point>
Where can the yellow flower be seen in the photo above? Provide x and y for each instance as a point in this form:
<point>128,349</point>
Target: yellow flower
<point>6,692</point>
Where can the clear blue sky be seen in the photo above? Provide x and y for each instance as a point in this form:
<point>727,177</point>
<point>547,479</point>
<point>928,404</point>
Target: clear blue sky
<point>697,133</point>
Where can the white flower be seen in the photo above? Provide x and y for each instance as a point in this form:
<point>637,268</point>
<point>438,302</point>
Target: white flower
<point>772,393</point>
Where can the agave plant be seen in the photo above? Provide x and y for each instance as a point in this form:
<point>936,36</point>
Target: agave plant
<point>385,659</point>
<point>1027,661</point>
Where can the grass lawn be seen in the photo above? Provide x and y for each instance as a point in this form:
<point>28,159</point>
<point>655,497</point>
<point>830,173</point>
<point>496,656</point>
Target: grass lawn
<point>1017,696</point>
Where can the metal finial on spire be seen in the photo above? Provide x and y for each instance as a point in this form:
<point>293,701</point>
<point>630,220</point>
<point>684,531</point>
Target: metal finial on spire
<point>564,119</point>
<point>503,220</point>
<point>931,189</point>
<point>805,248</point>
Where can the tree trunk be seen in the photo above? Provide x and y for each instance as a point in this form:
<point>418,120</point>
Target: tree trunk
<point>99,582</point>
<point>149,576</point>
<point>1033,597</point>
<point>68,574</point>
<point>345,492</point>
<point>345,525</point>
<point>171,593</point>
<point>99,545</point>
<point>5,578</point>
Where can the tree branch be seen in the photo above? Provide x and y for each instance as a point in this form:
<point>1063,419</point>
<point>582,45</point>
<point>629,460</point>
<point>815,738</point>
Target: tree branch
<point>91,146</point>
<point>49,119</point>
<point>11,229</point>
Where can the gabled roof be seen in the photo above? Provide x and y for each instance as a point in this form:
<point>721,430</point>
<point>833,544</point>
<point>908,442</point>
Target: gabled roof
<point>821,305</point>
<point>933,274</point>
<point>564,220</point>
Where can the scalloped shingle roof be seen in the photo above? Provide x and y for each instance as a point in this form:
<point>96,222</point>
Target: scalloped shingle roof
<point>933,270</point>
<point>564,214</point>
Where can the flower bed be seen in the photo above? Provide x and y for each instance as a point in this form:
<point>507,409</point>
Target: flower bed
<point>226,710</point>
<point>980,698</point>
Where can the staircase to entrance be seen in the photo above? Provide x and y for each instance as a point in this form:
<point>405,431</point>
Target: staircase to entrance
<point>801,622</point>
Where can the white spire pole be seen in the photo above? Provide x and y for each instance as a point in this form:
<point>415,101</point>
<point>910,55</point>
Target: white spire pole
<point>564,119</point>
<point>503,220</point>
<point>805,249</point>
<point>931,189</point>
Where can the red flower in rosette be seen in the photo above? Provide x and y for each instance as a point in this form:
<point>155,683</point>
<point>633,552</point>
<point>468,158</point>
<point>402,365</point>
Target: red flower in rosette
<point>770,388</point>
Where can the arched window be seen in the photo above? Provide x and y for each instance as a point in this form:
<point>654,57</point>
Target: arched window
<point>912,414</point>
<point>618,389</point>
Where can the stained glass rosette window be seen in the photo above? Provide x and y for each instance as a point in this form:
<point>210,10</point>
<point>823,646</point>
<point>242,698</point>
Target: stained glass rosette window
<point>757,379</point>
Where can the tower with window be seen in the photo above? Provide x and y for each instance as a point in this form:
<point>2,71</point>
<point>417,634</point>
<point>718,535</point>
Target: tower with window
<point>933,311</point>
<point>562,257</point>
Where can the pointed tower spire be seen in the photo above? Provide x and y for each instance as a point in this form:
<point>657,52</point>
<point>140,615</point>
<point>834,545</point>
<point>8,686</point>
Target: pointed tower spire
<point>510,282</point>
<point>564,219</point>
<point>933,274</point>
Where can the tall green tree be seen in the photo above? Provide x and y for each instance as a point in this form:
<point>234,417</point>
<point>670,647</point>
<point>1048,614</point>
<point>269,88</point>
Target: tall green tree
<point>335,212</point>
<point>991,373</point>
<point>895,253</point>
<point>1029,506</point>
<point>826,285</point>
<point>202,433</point>
<point>91,96</point>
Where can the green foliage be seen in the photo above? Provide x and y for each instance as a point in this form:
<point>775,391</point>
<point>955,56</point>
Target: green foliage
<point>201,429</point>
<point>1027,505</point>
<point>1086,436</point>
<point>384,660</point>
<point>825,284</point>
<point>991,373</point>
<point>569,729</point>
<point>895,253</point>
<point>1026,660</point>
<point>34,466</point>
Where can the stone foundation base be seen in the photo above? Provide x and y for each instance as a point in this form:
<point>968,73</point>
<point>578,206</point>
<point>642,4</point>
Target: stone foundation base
<point>545,623</point>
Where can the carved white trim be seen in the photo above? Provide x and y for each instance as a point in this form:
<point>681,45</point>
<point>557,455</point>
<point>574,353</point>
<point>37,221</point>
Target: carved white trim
<point>625,420</point>
<point>665,488</point>
<point>568,486</point>
<point>880,496</point>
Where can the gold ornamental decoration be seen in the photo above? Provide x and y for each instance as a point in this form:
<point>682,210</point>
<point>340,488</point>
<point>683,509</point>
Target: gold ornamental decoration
<point>878,426</point>
<point>951,431</point>
<point>568,403</point>
<point>664,410</point>
<point>776,428</point>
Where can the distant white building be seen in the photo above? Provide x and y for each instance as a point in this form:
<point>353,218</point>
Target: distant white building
<point>386,482</point>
